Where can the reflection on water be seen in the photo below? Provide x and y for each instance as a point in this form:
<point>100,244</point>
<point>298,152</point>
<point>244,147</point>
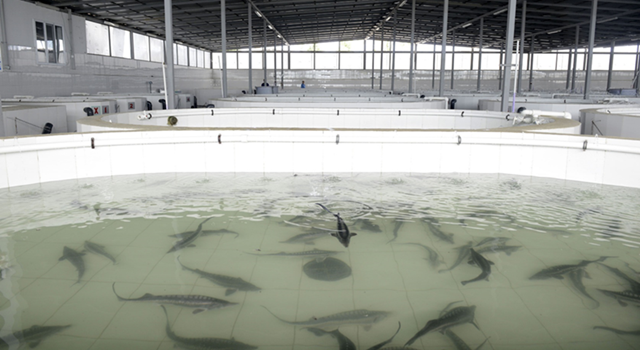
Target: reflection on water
<point>251,261</point>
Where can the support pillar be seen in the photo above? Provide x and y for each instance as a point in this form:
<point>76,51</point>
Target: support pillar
<point>610,73</point>
<point>250,29</point>
<point>506,81</point>
<point>223,30</point>
<point>453,56</point>
<point>275,59</point>
<point>531,53</point>
<point>522,30</point>
<point>569,69</point>
<point>575,61</point>
<point>443,53</point>
<point>501,66</point>
<point>413,29</point>
<point>480,54</point>
<point>381,52</point>
<point>264,50</point>
<point>592,37</point>
<point>168,54</point>
<point>282,63</point>
<point>373,61</point>
<point>393,56</point>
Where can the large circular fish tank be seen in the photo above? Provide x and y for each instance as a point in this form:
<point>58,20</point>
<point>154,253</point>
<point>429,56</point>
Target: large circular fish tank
<point>212,237</point>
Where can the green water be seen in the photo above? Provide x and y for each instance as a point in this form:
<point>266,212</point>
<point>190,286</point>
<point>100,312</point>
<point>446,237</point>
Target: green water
<point>553,222</point>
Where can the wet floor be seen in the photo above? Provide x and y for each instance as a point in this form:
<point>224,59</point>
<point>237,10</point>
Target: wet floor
<point>255,265</point>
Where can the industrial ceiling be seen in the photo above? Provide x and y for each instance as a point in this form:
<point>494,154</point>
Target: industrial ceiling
<point>549,24</point>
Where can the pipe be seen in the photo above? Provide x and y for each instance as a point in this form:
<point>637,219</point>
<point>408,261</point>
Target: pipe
<point>168,53</point>
<point>223,29</point>
<point>413,29</point>
<point>480,53</point>
<point>509,51</point>
<point>250,30</point>
<point>592,37</point>
<point>522,29</point>
<point>443,54</point>
<point>613,45</point>
<point>393,57</point>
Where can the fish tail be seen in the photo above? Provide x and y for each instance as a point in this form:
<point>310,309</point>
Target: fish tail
<point>113,286</point>
<point>274,315</point>
<point>325,208</point>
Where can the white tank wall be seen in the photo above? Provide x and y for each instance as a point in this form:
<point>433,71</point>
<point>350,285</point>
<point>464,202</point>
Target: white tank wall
<point>36,115</point>
<point>74,106</point>
<point>32,160</point>
<point>618,122</point>
<point>285,101</point>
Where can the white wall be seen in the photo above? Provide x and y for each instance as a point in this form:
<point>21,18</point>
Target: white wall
<point>92,73</point>
<point>610,122</point>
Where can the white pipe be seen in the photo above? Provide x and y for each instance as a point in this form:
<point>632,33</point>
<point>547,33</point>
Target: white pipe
<point>537,113</point>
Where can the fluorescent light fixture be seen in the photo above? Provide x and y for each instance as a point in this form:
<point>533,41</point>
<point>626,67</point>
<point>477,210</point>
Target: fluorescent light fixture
<point>466,25</point>
<point>111,24</point>
<point>554,31</point>
<point>270,27</point>
<point>499,12</point>
<point>387,19</point>
<point>402,3</point>
<point>279,36</point>
<point>607,20</point>
<point>259,14</point>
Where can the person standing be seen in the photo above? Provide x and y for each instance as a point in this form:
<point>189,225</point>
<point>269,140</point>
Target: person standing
<point>302,86</point>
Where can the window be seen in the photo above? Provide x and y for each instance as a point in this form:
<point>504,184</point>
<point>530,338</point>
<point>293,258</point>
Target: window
<point>97,38</point>
<point>49,43</point>
<point>140,47</point>
<point>157,49</point>
<point>120,42</point>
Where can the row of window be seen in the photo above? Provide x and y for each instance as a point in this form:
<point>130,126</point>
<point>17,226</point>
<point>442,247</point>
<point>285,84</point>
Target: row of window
<point>112,41</point>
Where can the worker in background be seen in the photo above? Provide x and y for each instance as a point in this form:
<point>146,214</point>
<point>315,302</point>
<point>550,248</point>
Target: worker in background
<point>302,86</point>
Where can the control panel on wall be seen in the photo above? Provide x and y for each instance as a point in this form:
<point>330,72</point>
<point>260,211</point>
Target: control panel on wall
<point>49,43</point>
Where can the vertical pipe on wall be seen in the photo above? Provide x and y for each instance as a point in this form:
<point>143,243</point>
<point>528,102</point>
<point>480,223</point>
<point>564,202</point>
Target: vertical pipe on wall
<point>480,53</point>
<point>282,63</point>
<point>72,50</point>
<point>575,61</point>
<point>506,81</point>
<point>609,74</point>
<point>443,54</point>
<point>523,24</point>
<point>275,59</point>
<point>364,57</point>
<point>592,36</point>
<point>393,57</point>
<point>250,30</point>
<point>453,55</point>
<point>381,52</point>
<point>223,30</point>
<point>168,54</point>
<point>531,63</point>
<point>264,50</point>
<point>413,29</point>
<point>569,70</point>
<point>433,69</point>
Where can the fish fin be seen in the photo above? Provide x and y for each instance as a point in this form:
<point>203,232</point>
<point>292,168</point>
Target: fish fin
<point>146,295</point>
<point>197,311</point>
<point>475,324</point>
<point>354,234</point>
<point>586,274</point>
<point>321,258</point>
<point>367,327</point>
<point>61,258</point>
<point>33,344</point>
<point>560,277</point>
<point>230,291</point>
<point>622,303</point>
<point>318,332</point>
<point>490,262</point>
<point>334,234</point>
<point>191,245</point>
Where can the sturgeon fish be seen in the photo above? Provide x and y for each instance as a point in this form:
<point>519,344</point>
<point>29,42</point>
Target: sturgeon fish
<point>434,258</point>
<point>463,253</point>
<point>186,241</point>
<point>623,298</point>
<point>75,259</point>
<point>633,284</point>
<point>396,227</point>
<point>222,231</point>
<point>559,270</point>
<point>233,284</point>
<point>618,331</point>
<point>575,277</point>
<point>482,263</point>
<point>342,232</point>
<point>458,342</point>
<point>204,343</point>
<point>380,345</point>
<point>454,317</point>
<point>344,343</point>
<point>198,302</point>
<point>359,317</point>
<point>98,249</point>
<point>507,249</point>
<point>308,253</point>
<point>307,238</point>
<point>32,335</point>
<point>493,241</point>
<point>447,237</point>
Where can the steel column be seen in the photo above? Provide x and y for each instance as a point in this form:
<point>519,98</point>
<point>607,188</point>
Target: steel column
<point>393,57</point>
<point>506,84</point>
<point>373,56</point>
<point>575,61</point>
<point>443,54</point>
<point>282,63</point>
<point>433,69</point>
<point>592,36</point>
<point>275,59</point>
<point>613,45</point>
<point>381,52</point>
<point>569,69</point>
<point>250,29</point>
<point>223,29</point>
<point>453,55</point>
<point>413,29</point>
<point>501,66</point>
<point>4,49</point>
<point>168,53</point>
<point>531,63</point>
<point>264,50</point>
<point>364,57</point>
<point>522,30</point>
<point>480,54</point>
